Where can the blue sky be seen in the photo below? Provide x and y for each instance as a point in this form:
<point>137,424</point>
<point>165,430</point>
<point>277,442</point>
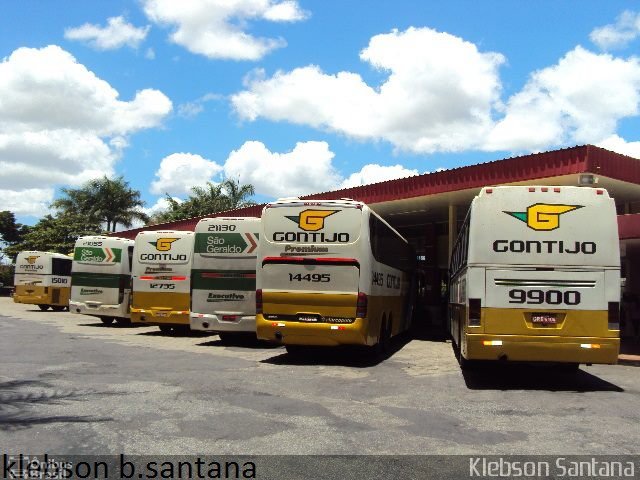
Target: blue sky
<point>302,96</point>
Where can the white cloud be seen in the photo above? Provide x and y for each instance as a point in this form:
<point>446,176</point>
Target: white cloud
<point>180,171</point>
<point>578,100</point>
<point>374,173</point>
<point>192,109</point>
<point>161,205</point>
<point>217,28</point>
<point>617,35</point>
<point>617,144</point>
<point>305,169</point>
<point>53,111</point>
<point>439,94</point>
<point>31,201</point>
<point>118,33</point>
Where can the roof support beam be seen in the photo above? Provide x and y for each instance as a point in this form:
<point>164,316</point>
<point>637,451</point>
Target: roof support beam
<point>453,228</point>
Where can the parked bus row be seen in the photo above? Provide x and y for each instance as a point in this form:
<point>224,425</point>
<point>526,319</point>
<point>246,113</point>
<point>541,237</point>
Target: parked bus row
<point>323,273</point>
<point>534,276</point>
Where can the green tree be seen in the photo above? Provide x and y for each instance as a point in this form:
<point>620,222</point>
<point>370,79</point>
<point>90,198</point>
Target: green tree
<point>55,234</point>
<point>11,233</point>
<point>104,200</point>
<point>9,229</point>
<point>211,198</point>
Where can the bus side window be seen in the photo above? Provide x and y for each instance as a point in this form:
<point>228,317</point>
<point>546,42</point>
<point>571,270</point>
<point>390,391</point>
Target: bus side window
<point>130,250</point>
<point>61,267</point>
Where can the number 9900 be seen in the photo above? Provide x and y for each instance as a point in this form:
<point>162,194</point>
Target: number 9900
<point>551,297</point>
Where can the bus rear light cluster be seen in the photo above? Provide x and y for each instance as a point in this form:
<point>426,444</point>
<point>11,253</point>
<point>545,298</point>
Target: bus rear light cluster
<point>163,277</point>
<point>545,189</point>
<point>614,316</point>
<point>259,301</point>
<point>589,345</point>
<point>492,343</point>
<point>475,310</point>
<point>361,305</point>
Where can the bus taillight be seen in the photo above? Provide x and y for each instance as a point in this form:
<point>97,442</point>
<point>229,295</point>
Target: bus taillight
<point>259,301</point>
<point>361,305</point>
<point>614,316</point>
<point>475,309</point>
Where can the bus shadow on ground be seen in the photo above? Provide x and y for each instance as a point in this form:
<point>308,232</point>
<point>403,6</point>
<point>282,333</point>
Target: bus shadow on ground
<point>240,343</point>
<point>112,325</point>
<point>179,333</point>
<point>534,377</point>
<point>347,356</point>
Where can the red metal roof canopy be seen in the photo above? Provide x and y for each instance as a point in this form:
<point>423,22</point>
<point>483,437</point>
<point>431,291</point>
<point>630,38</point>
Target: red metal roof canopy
<point>575,160</point>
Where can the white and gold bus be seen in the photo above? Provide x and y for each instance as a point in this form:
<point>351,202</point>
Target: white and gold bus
<point>161,274</point>
<point>223,276</point>
<point>43,279</point>
<point>329,273</point>
<point>535,276</point>
<point>101,278</point>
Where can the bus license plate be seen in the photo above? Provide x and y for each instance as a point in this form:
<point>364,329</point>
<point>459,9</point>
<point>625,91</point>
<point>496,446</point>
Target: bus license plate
<point>543,319</point>
<point>307,318</point>
<point>161,314</point>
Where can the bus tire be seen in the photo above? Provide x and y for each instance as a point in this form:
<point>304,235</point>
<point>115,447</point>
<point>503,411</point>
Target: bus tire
<point>106,320</point>
<point>569,367</point>
<point>44,308</point>
<point>295,350</point>
<point>182,329</point>
<point>385,336</point>
<point>228,338</point>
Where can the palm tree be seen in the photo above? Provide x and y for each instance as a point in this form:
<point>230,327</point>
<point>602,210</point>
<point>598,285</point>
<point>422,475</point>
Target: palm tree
<point>237,194</point>
<point>108,201</point>
<point>206,200</point>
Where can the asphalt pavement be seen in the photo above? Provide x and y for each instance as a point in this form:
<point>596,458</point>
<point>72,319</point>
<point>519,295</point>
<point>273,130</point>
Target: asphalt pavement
<point>70,385</point>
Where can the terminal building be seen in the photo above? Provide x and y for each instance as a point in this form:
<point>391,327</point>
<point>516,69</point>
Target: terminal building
<point>428,209</point>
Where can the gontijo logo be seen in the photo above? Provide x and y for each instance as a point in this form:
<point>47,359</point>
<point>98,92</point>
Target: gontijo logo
<point>30,266</point>
<point>543,216</point>
<point>312,220</point>
<point>163,244</point>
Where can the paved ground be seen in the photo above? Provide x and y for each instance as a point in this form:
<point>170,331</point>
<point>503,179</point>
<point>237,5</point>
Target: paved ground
<point>70,385</point>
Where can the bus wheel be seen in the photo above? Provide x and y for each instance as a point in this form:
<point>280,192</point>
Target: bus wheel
<point>165,328</point>
<point>106,320</point>
<point>385,337</point>
<point>465,364</point>
<point>227,338</point>
<point>569,367</point>
<point>44,308</point>
<point>296,350</point>
<point>182,330</point>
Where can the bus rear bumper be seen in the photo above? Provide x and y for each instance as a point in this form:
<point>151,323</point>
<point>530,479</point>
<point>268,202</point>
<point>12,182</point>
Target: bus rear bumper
<point>32,299</point>
<point>97,310</point>
<point>213,323</point>
<point>159,317</point>
<point>542,349</point>
<point>314,334</point>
